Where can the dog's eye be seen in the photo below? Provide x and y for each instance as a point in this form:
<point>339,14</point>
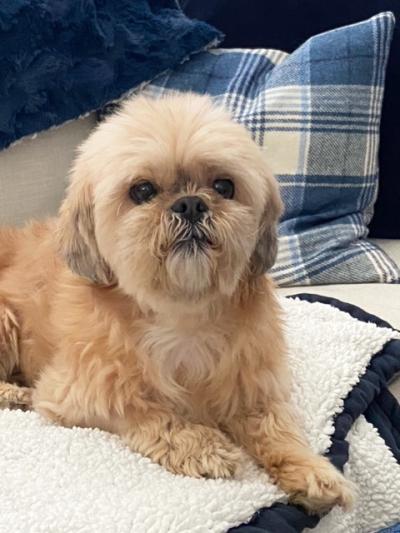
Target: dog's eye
<point>224,187</point>
<point>142,192</point>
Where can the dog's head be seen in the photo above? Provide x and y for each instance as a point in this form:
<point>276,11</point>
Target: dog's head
<point>170,198</point>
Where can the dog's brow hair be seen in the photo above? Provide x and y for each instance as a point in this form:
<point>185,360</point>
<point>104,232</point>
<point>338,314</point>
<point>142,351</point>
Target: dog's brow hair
<point>184,184</point>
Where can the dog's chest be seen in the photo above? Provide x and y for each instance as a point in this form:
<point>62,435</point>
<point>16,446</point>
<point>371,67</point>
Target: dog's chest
<point>195,352</point>
<point>186,348</point>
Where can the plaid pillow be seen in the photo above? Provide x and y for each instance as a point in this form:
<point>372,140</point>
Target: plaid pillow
<point>316,113</point>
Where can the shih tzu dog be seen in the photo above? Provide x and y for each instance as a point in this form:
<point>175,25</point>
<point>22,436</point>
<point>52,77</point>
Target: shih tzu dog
<point>144,308</point>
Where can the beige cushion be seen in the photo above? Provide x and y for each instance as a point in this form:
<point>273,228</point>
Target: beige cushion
<point>391,247</point>
<point>33,172</point>
<point>382,300</point>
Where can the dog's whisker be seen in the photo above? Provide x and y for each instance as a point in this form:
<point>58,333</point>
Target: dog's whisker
<point>119,208</point>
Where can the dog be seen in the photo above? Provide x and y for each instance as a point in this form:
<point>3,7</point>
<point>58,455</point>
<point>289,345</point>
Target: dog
<point>143,309</point>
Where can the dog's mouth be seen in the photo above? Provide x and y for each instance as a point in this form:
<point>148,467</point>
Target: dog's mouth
<point>194,240</point>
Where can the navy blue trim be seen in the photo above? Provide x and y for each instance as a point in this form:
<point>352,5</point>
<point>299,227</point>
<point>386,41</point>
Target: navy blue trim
<point>369,397</point>
<point>392,529</point>
<point>384,414</point>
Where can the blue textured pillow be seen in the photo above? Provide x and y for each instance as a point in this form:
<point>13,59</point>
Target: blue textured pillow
<point>316,113</point>
<point>60,59</point>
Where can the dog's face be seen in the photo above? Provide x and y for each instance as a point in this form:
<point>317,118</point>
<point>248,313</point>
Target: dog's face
<point>172,200</point>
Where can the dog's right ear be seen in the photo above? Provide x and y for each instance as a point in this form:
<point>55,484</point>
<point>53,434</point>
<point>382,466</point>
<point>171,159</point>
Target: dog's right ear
<point>266,249</point>
<point>76,233</point>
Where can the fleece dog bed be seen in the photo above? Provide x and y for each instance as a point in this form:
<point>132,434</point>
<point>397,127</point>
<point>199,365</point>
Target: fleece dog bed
<point>59,480</point>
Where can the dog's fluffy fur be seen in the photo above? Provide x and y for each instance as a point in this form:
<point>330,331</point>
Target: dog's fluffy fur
<point>119,320</point>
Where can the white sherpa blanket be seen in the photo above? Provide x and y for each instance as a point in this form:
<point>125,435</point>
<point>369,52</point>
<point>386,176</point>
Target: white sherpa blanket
<point>59,480</point>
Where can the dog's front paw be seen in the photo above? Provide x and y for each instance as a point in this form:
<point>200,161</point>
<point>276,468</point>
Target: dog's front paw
<point>198,451</point>
<point>316,485</point>
<point>15,397</point>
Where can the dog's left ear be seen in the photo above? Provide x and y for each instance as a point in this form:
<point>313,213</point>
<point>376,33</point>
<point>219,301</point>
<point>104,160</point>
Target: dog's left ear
<point>76,233</point>
<point>266,249</point>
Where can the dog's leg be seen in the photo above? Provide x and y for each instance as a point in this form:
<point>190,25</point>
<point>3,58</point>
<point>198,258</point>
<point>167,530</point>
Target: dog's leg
<point>276,442</point>
<point>180,446</point>
<point>11,395</point>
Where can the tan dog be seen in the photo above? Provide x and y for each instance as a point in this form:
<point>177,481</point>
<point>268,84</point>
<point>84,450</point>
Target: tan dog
<point>155,321</point>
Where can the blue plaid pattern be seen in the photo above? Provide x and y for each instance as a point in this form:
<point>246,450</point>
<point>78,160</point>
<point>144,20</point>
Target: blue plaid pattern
<point>392,529</point>
<point>316,114</point>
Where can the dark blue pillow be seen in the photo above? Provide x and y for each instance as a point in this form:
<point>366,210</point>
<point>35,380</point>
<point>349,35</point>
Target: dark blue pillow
<point>286,24</point>
<point>60,59</point>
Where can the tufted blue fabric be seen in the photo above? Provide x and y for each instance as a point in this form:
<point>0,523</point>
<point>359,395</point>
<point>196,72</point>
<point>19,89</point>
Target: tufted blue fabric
<point>60,59</point>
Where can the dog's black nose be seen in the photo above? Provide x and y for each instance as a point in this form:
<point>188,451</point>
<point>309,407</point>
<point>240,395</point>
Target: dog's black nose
<point>190,208</point>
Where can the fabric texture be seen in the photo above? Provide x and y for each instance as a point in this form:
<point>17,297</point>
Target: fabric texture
<point>62,59</point>
<point>33,172</point>
<point>54,478</point>
<point>316,114</point>
<point>285,25</point>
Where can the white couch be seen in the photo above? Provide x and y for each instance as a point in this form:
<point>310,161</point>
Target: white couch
<point>32,182</point>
